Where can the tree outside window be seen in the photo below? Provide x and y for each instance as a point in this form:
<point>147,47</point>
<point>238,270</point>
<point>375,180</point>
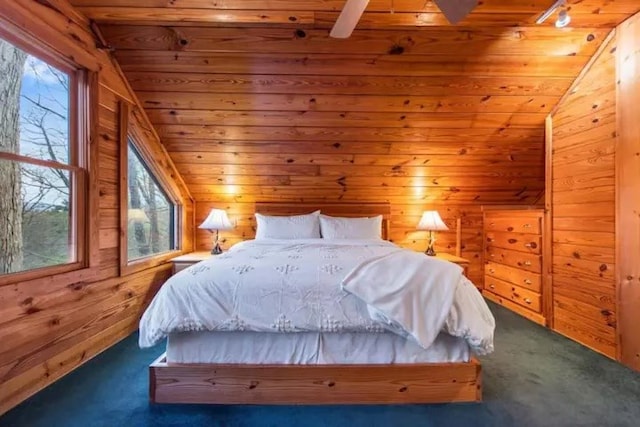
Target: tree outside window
<point>38,171</point>
<point>151,214</point>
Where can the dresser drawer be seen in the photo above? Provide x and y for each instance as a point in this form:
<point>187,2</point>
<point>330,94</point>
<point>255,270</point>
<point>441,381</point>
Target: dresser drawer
<point>514,224</point>
<point>517,308</point>
<point>517,294</point>
<point>515,241</point>
<point>522,278</point>
<point>524,261</point>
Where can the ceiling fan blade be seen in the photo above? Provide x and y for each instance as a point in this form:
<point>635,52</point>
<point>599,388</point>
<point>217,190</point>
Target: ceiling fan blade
<point>456,10</point>
<point>348,19</point>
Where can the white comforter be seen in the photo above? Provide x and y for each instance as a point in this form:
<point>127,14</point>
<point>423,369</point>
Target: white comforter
<point>320,285</point>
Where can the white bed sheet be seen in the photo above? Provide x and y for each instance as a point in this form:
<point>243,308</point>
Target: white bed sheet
<point>310,348</point>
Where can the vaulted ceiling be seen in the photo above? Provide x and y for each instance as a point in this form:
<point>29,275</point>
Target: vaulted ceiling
<point>254,100</point>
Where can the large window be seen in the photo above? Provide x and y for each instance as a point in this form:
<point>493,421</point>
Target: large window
<point>151,215</point>
<point>41,167</point>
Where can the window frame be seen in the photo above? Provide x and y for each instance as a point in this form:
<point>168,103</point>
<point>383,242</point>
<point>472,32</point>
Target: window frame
<point>83,160</point>
<point>131,131</point>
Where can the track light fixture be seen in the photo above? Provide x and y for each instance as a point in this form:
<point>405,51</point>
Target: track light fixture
<point>563,16</point>
<point>563,19</point>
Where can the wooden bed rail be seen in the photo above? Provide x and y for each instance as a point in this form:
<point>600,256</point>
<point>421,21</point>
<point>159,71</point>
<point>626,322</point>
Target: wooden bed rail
<point>315,384</point>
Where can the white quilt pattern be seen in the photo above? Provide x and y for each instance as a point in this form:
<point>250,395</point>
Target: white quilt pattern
<point>275,286</point>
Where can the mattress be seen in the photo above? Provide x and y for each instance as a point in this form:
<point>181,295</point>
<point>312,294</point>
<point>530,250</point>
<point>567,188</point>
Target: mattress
<point>310,348</point>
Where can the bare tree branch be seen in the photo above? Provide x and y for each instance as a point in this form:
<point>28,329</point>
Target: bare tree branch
<point>39,104</point>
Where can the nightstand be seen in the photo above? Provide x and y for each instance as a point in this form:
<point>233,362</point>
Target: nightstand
<point>462,262</point>
<point>187,260</point>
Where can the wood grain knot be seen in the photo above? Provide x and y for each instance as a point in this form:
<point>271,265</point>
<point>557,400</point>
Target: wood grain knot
<point>396,50</point>
<point>32,310</point>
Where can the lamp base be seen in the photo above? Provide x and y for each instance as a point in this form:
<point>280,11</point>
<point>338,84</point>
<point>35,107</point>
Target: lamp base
<point>432,240</point>
<point>217,250</point>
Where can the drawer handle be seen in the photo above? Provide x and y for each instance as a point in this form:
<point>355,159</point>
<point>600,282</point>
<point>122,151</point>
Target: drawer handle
<point>489,239</point>
<point>493,223</point>
<point>527,225</point>
<point>530,245</point>
<point>492,286</point>
<point>527,281</point>
<point>527,263</point>
<point>528,301</point>
<point>491,255</point>
<point>491,270</point>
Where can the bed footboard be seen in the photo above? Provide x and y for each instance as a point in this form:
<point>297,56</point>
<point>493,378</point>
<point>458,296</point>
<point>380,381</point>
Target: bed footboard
<point>314,384</point>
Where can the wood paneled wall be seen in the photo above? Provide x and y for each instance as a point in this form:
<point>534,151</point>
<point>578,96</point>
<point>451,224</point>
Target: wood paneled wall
<point>424,117</point>
<point>583,207</point>
<point>628,190</point>
<point>595,178</point>
<point>52,325</point>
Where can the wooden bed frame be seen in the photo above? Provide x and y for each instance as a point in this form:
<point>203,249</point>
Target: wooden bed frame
<point>316,384</point>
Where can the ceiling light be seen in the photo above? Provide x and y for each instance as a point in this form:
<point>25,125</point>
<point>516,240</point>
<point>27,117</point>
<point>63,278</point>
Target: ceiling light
<point>563,19</point>
<point>547,13</point>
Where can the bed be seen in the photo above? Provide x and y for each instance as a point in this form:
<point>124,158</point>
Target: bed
<point>349,359</point>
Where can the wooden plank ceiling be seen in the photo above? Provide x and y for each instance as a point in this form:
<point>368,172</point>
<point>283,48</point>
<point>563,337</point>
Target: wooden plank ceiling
<point>255,102</point>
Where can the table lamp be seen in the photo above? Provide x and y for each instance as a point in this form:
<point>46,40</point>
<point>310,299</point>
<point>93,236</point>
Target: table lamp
<point>432,222</point>
<point>217,220</point>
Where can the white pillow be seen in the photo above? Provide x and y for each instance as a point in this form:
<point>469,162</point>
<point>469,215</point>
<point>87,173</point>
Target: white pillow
<point>350,228</point>
<point>288,227</point>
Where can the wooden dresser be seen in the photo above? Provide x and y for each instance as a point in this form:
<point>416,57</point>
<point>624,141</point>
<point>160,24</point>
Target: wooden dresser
<point>513,260</point>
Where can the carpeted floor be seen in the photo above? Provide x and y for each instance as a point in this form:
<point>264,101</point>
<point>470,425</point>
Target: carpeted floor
<point>535,378</point>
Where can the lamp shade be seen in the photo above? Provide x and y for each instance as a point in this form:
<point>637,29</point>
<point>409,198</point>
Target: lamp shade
<point>431,221</point>
<point>217,220</point>
<point>137,215</point>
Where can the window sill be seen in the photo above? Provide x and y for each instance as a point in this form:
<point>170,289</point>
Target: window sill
<point>148,262</point>
<point>66,273</point>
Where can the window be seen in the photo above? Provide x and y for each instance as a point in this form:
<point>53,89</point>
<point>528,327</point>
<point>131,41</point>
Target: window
<point>42,204</point>
<point>151,215</point>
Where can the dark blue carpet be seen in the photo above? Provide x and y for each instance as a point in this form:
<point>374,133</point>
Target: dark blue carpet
<point>535,378</point>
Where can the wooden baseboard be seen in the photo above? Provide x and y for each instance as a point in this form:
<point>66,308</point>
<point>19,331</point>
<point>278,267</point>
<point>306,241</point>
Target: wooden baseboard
<point>315,384</point>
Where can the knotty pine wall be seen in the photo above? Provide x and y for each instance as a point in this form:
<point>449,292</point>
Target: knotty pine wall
<point>583,203</point>
<point>51,325</point>
<point>627,190</point>
<point>444,118</point>
<point>594,204</point>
